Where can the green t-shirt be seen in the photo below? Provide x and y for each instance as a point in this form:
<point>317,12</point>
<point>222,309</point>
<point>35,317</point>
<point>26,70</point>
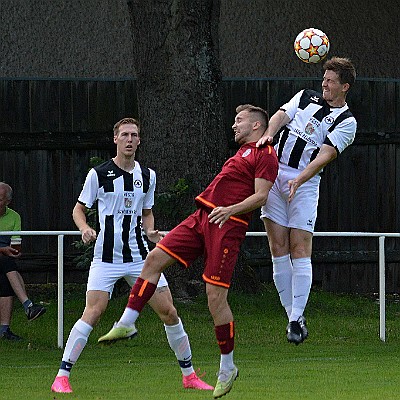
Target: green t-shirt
<point>10,221</point>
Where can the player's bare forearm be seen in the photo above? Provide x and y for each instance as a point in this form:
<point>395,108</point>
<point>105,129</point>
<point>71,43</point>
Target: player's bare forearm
<point>79,217</point>
<point>148,226</point>
<point>325,156</point>
<point>279,119</point>
<point>219,215</point>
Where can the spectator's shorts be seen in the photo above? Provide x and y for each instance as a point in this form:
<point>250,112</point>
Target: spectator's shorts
<point>7,264</point>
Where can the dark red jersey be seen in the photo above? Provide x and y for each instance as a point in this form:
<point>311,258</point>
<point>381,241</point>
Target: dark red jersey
<point>235,182</point>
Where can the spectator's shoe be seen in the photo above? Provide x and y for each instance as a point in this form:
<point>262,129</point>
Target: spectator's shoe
<point>118,333</point>
<point>303,325</point>
<point>225,382</point>
<point>192,381</point>
<point>34,311</point>
<point>8,335</point>
<point>61,385</point>
<point>294,333</point>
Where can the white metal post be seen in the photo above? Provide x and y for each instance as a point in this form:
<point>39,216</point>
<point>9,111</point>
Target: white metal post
<point>382,290</point>
<point>60,292</point>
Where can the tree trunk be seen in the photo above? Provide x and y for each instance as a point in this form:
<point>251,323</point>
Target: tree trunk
<point>175,45</point>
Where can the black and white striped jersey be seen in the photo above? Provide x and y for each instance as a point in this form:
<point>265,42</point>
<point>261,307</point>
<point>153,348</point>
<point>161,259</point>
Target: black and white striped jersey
<point>313,123</point>
<point>121,196</point>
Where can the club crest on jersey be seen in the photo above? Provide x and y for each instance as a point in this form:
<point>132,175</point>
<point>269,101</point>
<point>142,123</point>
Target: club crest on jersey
<point>137,183</point>
<point>309,129</point>
<point>329,120</point>
<point>110,173</point>
<point>128,202</point>
<point>246,153</point>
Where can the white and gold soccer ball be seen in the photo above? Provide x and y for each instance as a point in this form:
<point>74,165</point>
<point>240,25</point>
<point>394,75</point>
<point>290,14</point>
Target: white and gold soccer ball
<point>311,45</point>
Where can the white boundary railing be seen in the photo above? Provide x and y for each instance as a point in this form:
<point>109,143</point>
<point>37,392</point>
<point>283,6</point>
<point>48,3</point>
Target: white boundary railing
<point>60,269</point>
<point>60,272</point>
<point>381,263</point>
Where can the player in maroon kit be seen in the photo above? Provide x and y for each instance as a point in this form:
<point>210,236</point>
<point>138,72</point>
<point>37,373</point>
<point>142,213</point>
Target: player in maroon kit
<point>215,230</point>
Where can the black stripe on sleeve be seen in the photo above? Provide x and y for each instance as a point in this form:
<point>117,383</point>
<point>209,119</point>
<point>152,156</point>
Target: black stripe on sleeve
<point>340,118</point>
<point>146,179</point>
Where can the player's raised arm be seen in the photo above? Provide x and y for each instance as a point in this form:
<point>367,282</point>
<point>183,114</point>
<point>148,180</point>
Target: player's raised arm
<point>279,119</point>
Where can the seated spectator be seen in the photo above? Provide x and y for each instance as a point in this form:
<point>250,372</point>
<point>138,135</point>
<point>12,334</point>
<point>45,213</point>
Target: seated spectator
<point>11,282</point>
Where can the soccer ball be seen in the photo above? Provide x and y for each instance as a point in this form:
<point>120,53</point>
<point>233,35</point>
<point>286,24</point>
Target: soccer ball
<point>311,45</point>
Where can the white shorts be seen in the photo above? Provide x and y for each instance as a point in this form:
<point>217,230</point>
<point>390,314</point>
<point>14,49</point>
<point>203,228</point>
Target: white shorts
<point>103,276</point>
<point>301,212</point>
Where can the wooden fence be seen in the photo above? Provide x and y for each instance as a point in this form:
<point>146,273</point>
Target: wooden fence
<point>50,128</point>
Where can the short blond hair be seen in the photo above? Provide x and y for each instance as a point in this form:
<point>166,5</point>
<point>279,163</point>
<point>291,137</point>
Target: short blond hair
<point>260,113</point>
<point>125,121</point>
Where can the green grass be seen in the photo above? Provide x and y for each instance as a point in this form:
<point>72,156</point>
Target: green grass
<point>342,359</point>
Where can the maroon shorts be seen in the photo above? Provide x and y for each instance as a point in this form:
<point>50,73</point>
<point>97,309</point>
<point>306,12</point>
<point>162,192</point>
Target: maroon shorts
<point>196,236</point>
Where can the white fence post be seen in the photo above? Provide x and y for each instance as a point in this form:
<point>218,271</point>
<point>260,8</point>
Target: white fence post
<point>60,291</point>
<point>60,272</point>
<point>382,290</point>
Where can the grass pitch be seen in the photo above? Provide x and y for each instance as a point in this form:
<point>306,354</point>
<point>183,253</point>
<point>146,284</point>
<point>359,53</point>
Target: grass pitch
<point>342,359</point>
